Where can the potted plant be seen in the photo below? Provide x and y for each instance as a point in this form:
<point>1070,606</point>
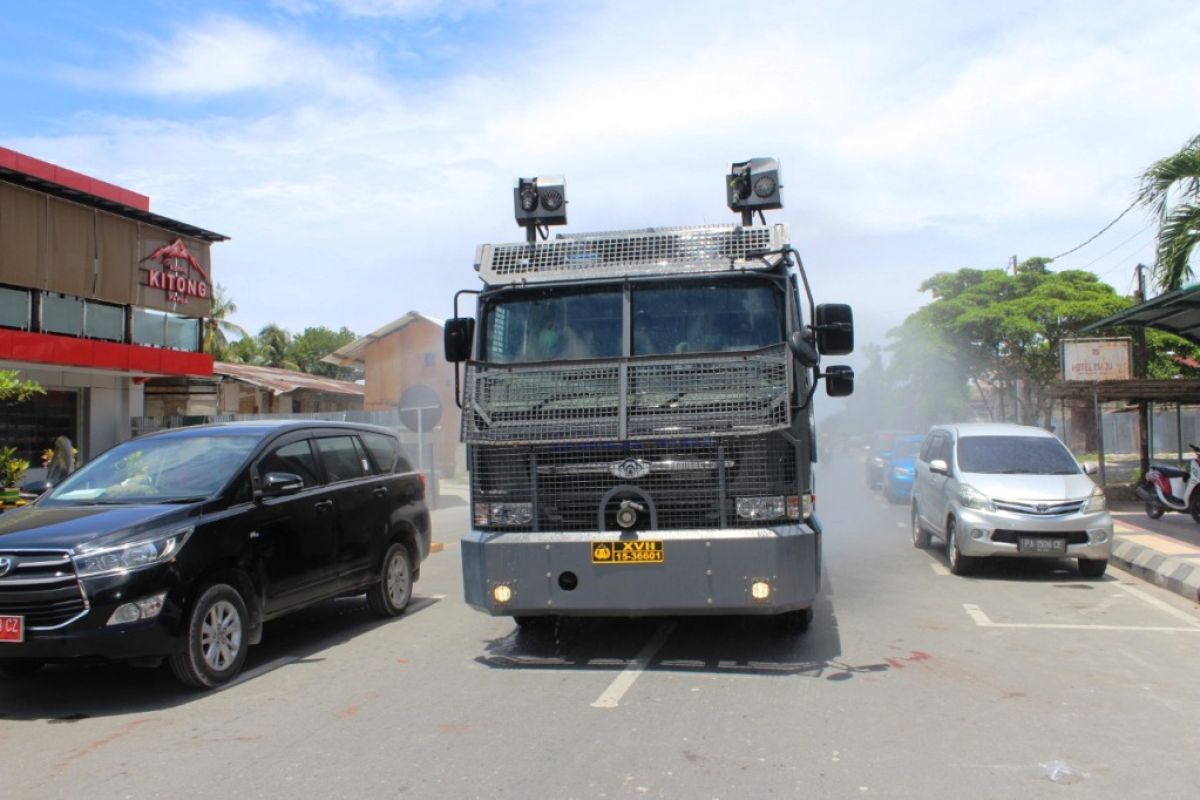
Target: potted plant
<point>12,468</point>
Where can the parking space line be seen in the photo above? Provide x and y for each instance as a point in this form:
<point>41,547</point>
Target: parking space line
<point>939,569</point>
<point>983,621</point>
<point>1160,605</point>
<point>621,684</point>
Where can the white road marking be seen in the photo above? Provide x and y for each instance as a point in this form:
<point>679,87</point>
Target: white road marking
<point>622,683</point>
<point>1160,605</point>
<point>939,569</point>
<point>983,621</point>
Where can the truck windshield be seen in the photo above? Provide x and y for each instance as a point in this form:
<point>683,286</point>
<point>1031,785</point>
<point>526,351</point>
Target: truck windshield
<point>551,325</point>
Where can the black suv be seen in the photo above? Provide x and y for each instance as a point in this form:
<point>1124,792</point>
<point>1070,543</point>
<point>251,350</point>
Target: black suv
<point>179,545</point>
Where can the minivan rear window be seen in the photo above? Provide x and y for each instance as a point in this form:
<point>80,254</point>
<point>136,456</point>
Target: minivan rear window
<point>1015,455</point>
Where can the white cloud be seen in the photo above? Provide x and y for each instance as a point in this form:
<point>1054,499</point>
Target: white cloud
<point>929,139</point>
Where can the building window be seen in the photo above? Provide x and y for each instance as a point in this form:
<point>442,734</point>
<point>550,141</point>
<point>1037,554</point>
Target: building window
<point>102,321</point>
<point>14,308</point>
<point>183,333</point>
<point>32,426</point>
<point>62,314</point>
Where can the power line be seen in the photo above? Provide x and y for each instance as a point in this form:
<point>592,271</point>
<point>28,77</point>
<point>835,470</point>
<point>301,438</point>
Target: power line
<point>1098,234</point>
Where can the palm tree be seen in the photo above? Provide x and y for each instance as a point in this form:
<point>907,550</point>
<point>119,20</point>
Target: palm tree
<point>1176,177</point>
<point>216,325</point>
<point>275,345</point>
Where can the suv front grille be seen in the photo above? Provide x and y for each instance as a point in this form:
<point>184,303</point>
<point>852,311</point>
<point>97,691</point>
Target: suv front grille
<point>41,586</point>
<point>1041,509</point>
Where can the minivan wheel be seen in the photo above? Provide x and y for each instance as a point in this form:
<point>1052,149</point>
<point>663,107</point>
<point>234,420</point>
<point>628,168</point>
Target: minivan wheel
<point>920,536</point>
<point>959,564</point>
<point>1093,568</point>
<point>216,639</point>
<point>391,595</point>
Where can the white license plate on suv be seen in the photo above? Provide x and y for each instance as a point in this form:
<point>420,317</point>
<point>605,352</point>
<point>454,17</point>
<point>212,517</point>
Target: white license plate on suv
<point>1042,544</point>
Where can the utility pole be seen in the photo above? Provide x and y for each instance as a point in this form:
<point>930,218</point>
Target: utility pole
<point>1139,372</point>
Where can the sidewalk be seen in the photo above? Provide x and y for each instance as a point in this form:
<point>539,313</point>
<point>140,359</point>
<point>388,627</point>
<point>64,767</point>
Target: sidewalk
<point>1164,551</point>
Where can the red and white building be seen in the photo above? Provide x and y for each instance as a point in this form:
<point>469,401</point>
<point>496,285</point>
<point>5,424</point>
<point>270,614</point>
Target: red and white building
<point>97,295</point>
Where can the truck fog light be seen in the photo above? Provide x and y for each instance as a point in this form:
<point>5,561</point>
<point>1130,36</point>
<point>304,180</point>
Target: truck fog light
<point>146,608</point>
<point>760,590</point>
<point>760,507</point>
<point>502,593</point>
<point>979,533</point>
<point>1099,536</point>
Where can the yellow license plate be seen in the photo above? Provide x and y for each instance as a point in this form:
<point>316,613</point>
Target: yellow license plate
<point>640,551</point>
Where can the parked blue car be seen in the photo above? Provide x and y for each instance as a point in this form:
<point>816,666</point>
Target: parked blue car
<point>899,468</point>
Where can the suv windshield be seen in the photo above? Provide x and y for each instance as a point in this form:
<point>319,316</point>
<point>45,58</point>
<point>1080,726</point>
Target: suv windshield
<point>156,470</point>
<point>1017,455</point>
<point>695,317</point>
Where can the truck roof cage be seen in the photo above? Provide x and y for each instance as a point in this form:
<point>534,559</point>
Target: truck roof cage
<point>645,252</point>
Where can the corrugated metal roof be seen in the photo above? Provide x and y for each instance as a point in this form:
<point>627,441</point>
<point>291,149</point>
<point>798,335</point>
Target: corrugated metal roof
<point>283,381</point>
<point>1176,312</point>
<point>351,355</point>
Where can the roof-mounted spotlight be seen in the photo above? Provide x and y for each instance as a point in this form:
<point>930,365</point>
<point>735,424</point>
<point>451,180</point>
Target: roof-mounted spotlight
<point>540,201</point>
<point>753,186</point>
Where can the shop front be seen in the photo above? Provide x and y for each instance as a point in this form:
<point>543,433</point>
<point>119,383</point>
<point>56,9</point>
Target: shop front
<point>97,296</point>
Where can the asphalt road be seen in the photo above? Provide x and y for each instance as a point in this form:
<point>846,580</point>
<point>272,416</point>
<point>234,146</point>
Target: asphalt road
<point>1024,680</point>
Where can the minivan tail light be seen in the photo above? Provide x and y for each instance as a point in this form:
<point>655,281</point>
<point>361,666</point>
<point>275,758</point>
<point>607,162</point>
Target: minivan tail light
<point>421,481</point>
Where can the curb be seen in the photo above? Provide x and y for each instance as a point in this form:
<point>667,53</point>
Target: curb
<point>1173,574</point>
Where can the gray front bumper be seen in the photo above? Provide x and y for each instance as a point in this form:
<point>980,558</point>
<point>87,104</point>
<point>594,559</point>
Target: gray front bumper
<point>703,572</point>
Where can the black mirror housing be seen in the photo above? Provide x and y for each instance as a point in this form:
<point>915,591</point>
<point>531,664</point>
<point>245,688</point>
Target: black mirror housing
<point>839,381</point>
<point>834,325</point>
<point>276,484</point>
<point>457,338</point>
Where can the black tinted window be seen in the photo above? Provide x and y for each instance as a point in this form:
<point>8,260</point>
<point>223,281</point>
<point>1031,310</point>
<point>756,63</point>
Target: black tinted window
<point>1017,455</point>
<point>296,458</point>
<point>342,458</point>
<point>385,453</point>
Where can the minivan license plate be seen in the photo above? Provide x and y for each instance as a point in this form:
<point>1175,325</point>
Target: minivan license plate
<point>12,629</point>
<point>1039,544</point>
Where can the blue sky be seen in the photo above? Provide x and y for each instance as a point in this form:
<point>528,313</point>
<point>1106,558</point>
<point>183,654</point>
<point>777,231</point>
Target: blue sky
<point>356,151</point>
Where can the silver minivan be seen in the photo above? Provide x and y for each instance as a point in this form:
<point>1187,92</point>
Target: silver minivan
<point>1007,490</point>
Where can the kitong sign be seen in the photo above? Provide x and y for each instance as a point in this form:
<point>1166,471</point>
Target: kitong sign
<point>179,274</point>
<point>1096,360</point>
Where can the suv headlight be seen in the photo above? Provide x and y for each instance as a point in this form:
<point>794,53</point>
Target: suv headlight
<point>970,497</point>
<point>1096,502</point>
<point>154,549</point>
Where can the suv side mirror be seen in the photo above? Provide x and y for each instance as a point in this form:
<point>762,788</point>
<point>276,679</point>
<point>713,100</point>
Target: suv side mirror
<point>457,338</point>
<point>276,484</point>
<point>834,325</point>
<point>939,466</point>
<point>839,380</point>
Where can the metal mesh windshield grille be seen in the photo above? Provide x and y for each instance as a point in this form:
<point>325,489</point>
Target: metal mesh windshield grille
<point>654,251</point>
<point>636,398</point>
<point>680,484</point>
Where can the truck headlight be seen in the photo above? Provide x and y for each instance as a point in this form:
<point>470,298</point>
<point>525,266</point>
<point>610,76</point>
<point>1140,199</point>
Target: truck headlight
<point>970,497</point>
<point>761,507</point>
<point>131,555</point>
<point>503,514</point>
<point>1096,502</point>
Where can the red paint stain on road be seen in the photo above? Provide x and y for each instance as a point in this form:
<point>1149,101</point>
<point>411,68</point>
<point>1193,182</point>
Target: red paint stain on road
<point>120,733</point>
<point>347,712</point>
<point>915,657</point>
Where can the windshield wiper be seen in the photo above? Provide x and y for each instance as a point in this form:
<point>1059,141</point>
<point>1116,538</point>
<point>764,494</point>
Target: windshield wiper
<point>195,499</point>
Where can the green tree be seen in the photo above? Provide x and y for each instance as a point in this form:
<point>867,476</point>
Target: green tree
<point>217,325</point>
<point>1003,332</point>
<point>13,389</point>
<point>1170,187</point>
<point>275,348</point>
<point>313,344</point>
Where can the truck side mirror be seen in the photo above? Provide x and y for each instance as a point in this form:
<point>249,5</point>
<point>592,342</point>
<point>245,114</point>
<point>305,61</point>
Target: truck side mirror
<point>457,338</point>
<point>839,380</point>
<point>834,325</point>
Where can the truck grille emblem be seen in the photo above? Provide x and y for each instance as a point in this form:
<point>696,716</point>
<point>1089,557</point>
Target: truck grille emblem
<point>630,469</point>
<point>6,565</point>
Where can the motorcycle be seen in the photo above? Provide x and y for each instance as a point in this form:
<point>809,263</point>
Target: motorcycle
<point>1171,489</point>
